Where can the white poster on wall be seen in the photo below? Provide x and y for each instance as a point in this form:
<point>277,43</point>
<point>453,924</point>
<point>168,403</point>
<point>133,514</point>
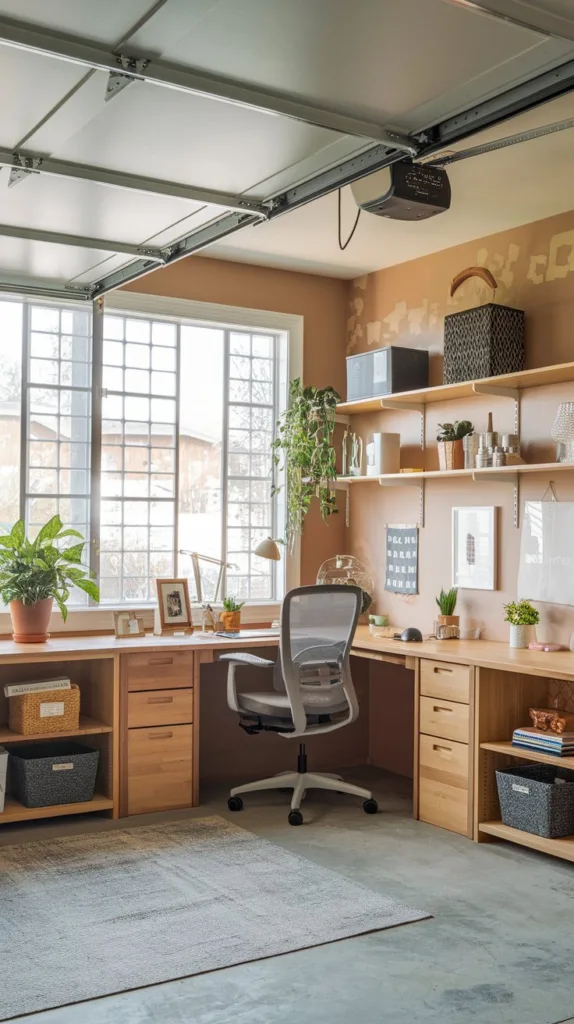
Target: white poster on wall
<point>546,571</point>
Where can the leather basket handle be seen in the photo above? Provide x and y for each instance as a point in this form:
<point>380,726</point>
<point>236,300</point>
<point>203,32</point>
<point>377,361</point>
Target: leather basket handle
<point>464,275</point>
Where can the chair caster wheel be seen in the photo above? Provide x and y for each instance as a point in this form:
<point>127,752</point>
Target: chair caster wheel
<point>370,806</point>
<point>235,803</point>
<point>295,818</point>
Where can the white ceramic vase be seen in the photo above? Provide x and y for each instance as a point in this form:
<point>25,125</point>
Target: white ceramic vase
<point>521,636</point>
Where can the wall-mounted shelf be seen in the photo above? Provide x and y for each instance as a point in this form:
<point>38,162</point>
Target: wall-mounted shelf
<point>505,386</point>
<point>508,475</point>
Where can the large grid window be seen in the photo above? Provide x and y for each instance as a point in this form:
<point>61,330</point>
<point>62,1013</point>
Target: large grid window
<point>182,416</point>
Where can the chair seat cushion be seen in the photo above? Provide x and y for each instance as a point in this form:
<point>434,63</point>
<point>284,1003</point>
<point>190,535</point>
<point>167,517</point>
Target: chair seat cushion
<point>326,700</point>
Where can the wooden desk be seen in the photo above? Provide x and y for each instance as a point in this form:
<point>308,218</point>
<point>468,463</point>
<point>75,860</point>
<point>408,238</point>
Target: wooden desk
<point>469,697</point>
<point>140,707</point>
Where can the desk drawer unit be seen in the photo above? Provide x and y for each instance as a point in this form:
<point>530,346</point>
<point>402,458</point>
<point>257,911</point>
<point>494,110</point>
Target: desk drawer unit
<point>443,783</point>
<point>159,670</point>
<point>449,682</point>
<point>444,718</point>
<point>159,768</point>
<point>160,707</point>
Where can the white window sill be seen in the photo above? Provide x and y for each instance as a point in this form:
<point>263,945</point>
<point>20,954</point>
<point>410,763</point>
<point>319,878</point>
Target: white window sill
<point>86,620</point>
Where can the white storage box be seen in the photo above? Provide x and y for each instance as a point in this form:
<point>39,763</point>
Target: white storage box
<point>3,773</point>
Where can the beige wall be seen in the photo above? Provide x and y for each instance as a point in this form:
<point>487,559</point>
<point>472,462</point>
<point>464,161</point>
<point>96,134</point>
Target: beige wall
<point>405,305</point>
<point>322,303</point>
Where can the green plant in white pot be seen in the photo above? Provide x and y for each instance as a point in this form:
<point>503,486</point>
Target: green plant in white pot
<point>35,573</point>
<point>523,617</point>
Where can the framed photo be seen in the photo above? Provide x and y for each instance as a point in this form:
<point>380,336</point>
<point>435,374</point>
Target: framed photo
<point>129,624</point>
<point>474,548</point>
<point>174,608</point>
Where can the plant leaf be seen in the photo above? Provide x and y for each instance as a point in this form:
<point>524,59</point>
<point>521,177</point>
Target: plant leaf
<point>49,531</point>
<point>69,533</point>
<point>17,533</point>
<point>74,553</point>
<point>89,587</point>
<point>62,606</point>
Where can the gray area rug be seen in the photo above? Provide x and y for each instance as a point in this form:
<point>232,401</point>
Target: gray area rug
<point>85,916</point>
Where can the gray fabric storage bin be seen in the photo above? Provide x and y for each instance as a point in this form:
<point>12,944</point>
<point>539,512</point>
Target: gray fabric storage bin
<point>532,801</point>
<point>45,774</point>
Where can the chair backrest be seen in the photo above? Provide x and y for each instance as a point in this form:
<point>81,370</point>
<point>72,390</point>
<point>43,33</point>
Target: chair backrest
<point>317,629</point>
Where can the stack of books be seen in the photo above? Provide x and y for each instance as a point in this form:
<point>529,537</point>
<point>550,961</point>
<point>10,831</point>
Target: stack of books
<point>557,744</point>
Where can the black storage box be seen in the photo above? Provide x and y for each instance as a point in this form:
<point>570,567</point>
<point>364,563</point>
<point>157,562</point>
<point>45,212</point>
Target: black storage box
<point>45,774</point>
<point>531,799</point>
<point>483,342</point>
<point>384,371</point>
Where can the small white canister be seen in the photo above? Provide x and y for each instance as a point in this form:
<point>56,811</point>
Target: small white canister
<point>383,454</point>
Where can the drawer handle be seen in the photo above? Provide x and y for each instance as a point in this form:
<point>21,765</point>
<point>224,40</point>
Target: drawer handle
<point>161,661</point>
<point>437,746</point>
<point>160,735</point>
<point>437,670</point>
<point>437,708</point>
<point>160,700</point>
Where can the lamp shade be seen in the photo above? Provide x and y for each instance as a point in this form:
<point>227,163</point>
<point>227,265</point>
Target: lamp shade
<point>268,549</point>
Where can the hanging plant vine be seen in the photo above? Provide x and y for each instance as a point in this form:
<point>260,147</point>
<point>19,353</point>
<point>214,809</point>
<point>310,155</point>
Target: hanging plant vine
<point>305,437</point>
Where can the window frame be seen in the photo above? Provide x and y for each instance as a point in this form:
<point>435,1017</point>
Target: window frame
<point>290,329</point>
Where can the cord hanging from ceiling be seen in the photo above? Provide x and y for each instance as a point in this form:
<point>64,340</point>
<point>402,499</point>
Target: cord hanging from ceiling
<point>343,246</point>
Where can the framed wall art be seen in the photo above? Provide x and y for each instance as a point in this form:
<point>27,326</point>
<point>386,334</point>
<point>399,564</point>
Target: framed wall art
<point>402,569</point>
<point>474,547</point>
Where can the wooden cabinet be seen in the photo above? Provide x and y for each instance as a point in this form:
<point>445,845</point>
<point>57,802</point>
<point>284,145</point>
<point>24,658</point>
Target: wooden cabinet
<point>444,718</point>
<point>159,766</point>
<point>449,682</point>
<point>158,712</point>
<point>443,783</point>
<point>158,670</point>
<point>159,707</point>
<point>444,745</point>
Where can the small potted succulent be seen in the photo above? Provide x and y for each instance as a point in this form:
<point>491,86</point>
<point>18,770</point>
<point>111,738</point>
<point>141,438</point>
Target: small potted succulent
<point>450,448</point>
<point>231,614</point>
<point>523,617</point>
<point>34,574</point>
<point>447,623</point>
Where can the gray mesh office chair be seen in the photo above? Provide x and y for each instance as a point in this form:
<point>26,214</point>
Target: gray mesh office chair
<point>312,688</point>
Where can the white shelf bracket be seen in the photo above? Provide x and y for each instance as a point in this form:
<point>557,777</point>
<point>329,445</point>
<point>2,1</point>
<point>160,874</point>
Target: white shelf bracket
<point>403,406</point>
<point>512,479</point>
<point>494,391</point>
<point>406,482</point>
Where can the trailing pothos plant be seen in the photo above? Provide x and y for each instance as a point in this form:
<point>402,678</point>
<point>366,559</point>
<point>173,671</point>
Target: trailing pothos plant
<point>31,571</point>
<point>305,437</point>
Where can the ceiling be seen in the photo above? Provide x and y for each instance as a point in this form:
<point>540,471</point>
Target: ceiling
<point>240,113</point>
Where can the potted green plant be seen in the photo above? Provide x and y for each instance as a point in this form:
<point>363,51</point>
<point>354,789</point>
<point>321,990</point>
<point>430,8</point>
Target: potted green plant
<point>231,614</point>
<point>450,449</point>
<point>447,623</point>
<point>523,617</point>
<point>34,574</point>
<point>305,436</point>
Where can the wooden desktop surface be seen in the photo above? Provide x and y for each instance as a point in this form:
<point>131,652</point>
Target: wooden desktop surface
<point>482,653</point>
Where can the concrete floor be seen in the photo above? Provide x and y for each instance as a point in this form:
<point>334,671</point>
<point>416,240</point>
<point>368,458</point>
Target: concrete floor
<point>499,950</point>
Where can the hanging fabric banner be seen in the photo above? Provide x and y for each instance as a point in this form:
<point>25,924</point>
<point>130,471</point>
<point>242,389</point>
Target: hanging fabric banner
<point>546,571</point>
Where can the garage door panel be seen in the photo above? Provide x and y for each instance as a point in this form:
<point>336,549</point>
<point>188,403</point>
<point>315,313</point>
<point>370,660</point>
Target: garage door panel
<point>191,139</point>
<point>78,207</point>
<point>105,21</point>
<point>30,85</point>
<point>377,59</point>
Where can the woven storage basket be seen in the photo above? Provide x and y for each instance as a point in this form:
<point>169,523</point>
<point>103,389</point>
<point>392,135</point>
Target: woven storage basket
<point>49,711</point>
<point>532,801</point>
<point>482,342</point>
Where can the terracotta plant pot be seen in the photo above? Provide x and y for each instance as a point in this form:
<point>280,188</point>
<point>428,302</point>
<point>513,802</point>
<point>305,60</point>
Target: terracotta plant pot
<point>231,620</point>
<point>450,455</point>
<point>30,621</point>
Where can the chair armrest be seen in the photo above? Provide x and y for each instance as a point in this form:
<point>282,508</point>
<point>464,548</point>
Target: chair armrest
<point>236,661</point>
<point>247,659</point>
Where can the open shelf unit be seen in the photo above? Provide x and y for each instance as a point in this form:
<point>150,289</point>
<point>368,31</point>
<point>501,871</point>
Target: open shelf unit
<point>98,679</point>
<point>508,385</point>
<point>563,848</point>
<point>503,386</point>
<point>88,727</point>
<point>528,755</point>
<point>15,811</point>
